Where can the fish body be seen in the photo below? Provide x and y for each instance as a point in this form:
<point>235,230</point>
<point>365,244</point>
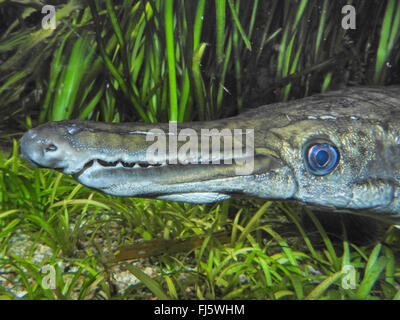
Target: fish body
<point>338,151</point>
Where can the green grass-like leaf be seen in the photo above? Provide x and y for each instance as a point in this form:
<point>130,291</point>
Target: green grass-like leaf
<point>389,34</point>
<point>148,281</point>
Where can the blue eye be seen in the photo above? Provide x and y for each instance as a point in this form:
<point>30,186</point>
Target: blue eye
<point>322,158</point>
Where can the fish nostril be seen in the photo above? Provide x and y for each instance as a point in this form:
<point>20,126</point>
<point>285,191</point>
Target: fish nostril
<point>51,148</point>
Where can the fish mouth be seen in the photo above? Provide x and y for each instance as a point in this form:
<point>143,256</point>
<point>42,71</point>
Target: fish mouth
<point>38,165</point>
<point>119,164</point>
<point>145,179</point>
<point>143,166</point>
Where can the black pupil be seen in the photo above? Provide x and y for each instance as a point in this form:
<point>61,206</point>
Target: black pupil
<point>322,157</point>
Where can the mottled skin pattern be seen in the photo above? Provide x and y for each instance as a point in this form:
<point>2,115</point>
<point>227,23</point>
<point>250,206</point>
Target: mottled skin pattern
<point>363,123</point>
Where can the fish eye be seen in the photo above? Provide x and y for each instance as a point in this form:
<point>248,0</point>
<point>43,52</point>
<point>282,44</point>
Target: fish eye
<point>322,158</point>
